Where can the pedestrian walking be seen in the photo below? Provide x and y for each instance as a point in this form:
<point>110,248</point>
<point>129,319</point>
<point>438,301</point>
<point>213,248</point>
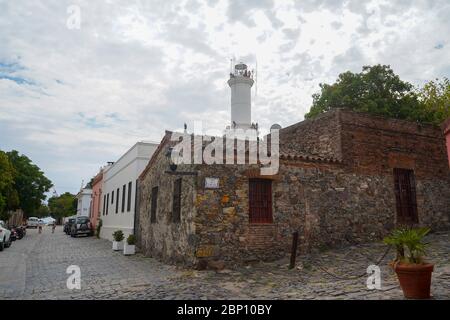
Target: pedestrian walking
<point>53,226</point>
<point>40,227</point>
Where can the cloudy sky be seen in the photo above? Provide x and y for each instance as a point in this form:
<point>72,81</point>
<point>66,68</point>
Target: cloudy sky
<point>72,99</point>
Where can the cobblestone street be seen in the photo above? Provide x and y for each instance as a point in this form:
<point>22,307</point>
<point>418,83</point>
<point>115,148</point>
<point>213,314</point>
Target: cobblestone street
<point>35,268</point>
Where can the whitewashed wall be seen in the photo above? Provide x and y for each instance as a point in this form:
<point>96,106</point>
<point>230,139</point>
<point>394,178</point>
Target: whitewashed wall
<point>84,202</point>
<point>125,170</point>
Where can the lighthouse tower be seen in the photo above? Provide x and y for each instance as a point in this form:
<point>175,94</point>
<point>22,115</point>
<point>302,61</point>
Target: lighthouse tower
<point>241,82</point>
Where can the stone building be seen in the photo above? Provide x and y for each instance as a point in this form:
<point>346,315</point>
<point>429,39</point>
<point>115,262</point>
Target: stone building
<point>344,178</point>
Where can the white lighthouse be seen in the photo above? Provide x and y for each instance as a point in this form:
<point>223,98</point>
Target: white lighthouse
<point>241,82</point>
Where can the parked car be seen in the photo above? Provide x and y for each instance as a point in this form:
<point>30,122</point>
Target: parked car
<point>68,225</point>
<point>82,225</point>
<point>32,222</point>
<point>5,236</point>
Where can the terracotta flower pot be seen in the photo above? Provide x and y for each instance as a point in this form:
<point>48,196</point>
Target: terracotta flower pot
<point>415,279</point>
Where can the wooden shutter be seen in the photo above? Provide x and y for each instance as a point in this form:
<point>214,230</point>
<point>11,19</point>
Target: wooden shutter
<point>129,196</point>
<point>405,194</point>
<point>154,202</point>
<point>123,197</point>
<point>260,201</point>
<point>104,203</point>
<point>176,203</point>
<point>107,204</point>
<point>117,200</point>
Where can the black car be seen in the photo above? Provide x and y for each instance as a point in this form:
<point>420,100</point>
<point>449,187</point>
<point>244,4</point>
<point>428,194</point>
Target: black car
<point>82,225</point>
<point>68,225</point>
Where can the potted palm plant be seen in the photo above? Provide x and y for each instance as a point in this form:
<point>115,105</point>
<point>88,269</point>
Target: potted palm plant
<point>118,240</point>
<point>130,247</point>
<point>413,273</point>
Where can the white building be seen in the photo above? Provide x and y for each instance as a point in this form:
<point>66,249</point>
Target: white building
<point>84,202</point>
<point>119,189</point>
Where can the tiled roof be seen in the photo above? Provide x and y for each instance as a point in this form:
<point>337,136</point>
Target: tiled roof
<point>304,157</point>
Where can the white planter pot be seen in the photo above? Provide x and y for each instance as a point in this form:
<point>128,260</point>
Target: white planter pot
<point>129,249</point>
<point>117,245</point>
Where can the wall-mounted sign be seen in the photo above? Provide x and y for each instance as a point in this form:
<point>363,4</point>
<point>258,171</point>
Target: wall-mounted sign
<point>211,183</point>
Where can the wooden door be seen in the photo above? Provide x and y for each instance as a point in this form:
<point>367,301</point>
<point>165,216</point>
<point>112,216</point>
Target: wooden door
<point>405,194</point>
<point>260,201</point>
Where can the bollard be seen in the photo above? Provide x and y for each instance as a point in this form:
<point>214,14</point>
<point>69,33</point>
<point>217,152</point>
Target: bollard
<point>294,249</point>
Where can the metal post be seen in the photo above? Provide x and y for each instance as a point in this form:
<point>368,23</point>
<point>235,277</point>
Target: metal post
<point>294,249</point>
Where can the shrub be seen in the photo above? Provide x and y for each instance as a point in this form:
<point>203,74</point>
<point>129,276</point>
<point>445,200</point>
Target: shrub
<point>118,235</point>
<point>131,240</point>
<point>409,244</point>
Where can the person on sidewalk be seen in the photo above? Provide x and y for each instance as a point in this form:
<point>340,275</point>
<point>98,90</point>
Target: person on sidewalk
<point>53,226</point>
<point>40,227</point>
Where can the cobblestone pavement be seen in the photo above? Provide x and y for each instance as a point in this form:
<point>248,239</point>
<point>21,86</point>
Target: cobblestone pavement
<point>35,268</point>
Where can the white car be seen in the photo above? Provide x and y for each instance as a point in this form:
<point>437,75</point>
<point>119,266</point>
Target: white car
<point>33,222</point>
<point>5,236</point>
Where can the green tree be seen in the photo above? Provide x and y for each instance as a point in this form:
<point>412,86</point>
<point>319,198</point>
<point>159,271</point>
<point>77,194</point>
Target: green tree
<point>89,184</point>
<point>435,99</point>
<point>43,211</point>
<point>29,182</point>
<point>376,90</point>
<point>64,205</point>
<point>8,195</point>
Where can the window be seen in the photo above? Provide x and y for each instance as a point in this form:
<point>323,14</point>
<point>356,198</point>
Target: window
<point>104,203</point>
<point>154,203</point>
<point>129,196</point>
<point>260,201</point>
<point>176,202</point>
<point>107,203</point>
<point>123,197</point>
<point>117,200</point>
<point>405,196</point>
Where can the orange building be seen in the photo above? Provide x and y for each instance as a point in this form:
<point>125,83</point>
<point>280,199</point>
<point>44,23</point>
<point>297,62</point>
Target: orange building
<point>96,198</point>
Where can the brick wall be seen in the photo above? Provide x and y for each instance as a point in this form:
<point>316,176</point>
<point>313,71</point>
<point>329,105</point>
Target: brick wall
<point>376,144</point>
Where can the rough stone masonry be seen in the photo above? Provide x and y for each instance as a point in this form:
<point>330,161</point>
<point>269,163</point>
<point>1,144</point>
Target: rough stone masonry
<point>344,178</point>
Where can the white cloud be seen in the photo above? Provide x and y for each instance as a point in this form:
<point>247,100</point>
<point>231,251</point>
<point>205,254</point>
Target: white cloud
<point>74,99</point>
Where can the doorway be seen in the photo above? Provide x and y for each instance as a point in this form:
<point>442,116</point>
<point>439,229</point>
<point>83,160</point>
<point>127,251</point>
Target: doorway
<point>405,195</point>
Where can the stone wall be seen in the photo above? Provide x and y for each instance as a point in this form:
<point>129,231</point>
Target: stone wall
<point>375,145</point>
<point>330,203</point>
<point>317,137</point>
<point>222,221</point>
<point>167,240</point>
